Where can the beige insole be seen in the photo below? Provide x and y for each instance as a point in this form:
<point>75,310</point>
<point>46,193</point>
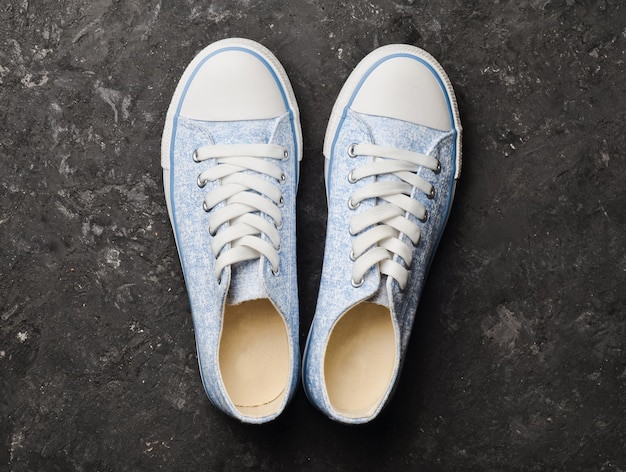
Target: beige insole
<point>360,359</point>
<point>254,357</point>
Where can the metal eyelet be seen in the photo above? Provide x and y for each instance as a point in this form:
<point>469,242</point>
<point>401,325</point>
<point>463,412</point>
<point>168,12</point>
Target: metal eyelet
<point>438,169</point>
<point>201,182</point>
<point>425,217</point>
<point>281,202</point>
<point>285,154</point>
<point>212,231</point>
<point>351,178</point>
<point>195,156</point>
<point>357,284</point>
<point>276,272</point>
<point>351,150</point>
<point>431,194</point>
<point>352,258</point>
<point>353,206</point>
<point>205,207</point>
<point>283,178</point>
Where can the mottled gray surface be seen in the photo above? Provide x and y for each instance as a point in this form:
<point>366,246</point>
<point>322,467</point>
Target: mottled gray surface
<point>517,361</point>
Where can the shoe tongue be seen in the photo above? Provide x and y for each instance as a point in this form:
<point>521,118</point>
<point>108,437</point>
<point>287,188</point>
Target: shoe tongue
<point>245,278</point>
<point>381,296</point>
<point>245,283</point>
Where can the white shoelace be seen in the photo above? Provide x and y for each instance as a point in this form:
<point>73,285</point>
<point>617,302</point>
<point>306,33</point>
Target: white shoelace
<point>247,196</point>
<point>388,219</point>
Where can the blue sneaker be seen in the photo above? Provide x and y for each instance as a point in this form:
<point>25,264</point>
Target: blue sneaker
<point>393,156</point>
<point>230,154</point>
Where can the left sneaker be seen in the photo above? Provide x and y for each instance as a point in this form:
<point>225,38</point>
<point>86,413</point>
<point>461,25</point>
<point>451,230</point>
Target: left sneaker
<point>393,156</point>
<point>230,154</point>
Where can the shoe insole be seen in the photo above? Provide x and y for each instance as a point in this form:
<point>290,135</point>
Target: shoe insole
<point>254,357</point>
<point>360,359</point>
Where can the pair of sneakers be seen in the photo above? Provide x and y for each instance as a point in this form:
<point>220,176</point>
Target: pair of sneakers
<point>231,152</point>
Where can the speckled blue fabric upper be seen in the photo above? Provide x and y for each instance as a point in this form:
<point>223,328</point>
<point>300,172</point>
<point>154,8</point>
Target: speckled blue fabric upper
<point>244,281</point>
<point>337,294</point>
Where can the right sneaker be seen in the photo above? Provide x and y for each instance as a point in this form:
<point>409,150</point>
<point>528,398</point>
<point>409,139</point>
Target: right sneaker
<point>393,156</point>
<point>230,154</point>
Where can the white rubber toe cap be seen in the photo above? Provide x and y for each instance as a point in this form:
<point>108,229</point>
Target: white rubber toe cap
<point>232,85</point>
<point>406,89</point>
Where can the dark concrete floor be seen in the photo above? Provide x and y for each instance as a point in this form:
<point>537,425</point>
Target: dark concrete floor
<point>517,361</point>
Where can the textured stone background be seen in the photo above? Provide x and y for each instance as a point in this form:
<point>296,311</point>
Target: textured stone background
<point>517,361</point>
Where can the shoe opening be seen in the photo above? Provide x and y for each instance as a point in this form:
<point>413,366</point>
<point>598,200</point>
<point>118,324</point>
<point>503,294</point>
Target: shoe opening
<point>254,357</point>
<point>360,360</point>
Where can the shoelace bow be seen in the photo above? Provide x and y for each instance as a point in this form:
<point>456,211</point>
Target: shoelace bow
<point>247,196</point>
<point>388,219</point>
